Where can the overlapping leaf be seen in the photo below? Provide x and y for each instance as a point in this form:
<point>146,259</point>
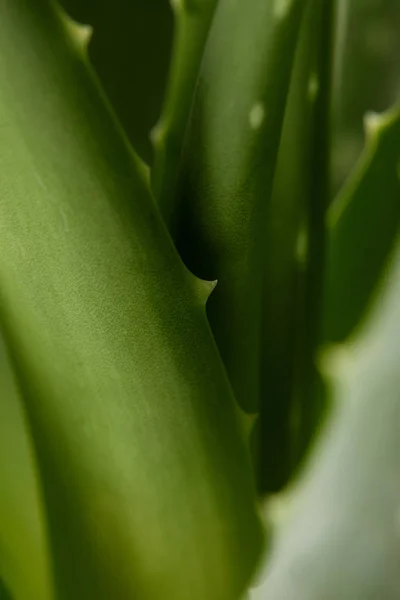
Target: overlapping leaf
<point>228,170</point>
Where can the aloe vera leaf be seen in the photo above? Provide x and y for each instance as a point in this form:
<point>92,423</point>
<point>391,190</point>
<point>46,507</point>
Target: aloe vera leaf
<point>24,564</point>
<point>364,221</point>
<point>228,169</point>
<point>283,303</point>
<point>146,478</point>
<point>192,23</point>
<point>342,538</point>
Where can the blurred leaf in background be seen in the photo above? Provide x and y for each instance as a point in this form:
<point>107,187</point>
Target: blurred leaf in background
<point>339,529</point>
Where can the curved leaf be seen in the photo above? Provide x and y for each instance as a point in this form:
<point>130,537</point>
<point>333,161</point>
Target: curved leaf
<point>146,478</point>
<point>228,170</point>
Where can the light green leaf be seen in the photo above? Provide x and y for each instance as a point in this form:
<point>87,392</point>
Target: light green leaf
<point>146,479</point>
<point>343,536</point>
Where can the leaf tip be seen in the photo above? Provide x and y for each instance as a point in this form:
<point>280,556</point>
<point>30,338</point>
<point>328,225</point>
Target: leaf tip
<point>204,288</point>
<point>257,115</point>
<point>282,8</point>
<point>375,123</point>
<point>79,33</point>
<point>157,134</point>
<point>372,123</point>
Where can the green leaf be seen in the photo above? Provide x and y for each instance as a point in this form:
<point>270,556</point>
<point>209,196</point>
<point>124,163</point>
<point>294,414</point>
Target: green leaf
<point>228,170</point>
<point>145,475</point>
<point>23,553</point>
<point>341,539</point>
<point>364,222</point>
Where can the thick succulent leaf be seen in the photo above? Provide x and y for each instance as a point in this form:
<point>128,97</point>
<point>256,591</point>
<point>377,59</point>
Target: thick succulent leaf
<point>23,553</point>
<point>228,169</point>
<point>363,225</point>
<point>145,474</point>
<point>292,200</point>
<point>342,539</point>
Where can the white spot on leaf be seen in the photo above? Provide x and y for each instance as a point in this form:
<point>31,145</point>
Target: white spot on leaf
<point>313,87</point>
<point>178,5</point>
<point>81,34</point>
<point>302,246</point>
<point>372,122</point>
<point>257,115</point>
<point>281,8</point>
<point>337,360</point>
<point>157,133</point>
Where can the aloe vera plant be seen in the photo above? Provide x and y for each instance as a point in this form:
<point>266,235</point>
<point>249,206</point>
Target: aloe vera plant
<point>181,301</point>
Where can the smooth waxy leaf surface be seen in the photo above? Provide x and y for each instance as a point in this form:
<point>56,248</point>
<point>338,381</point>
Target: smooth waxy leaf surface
<point>145,476</point>
<point>228,170</point>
